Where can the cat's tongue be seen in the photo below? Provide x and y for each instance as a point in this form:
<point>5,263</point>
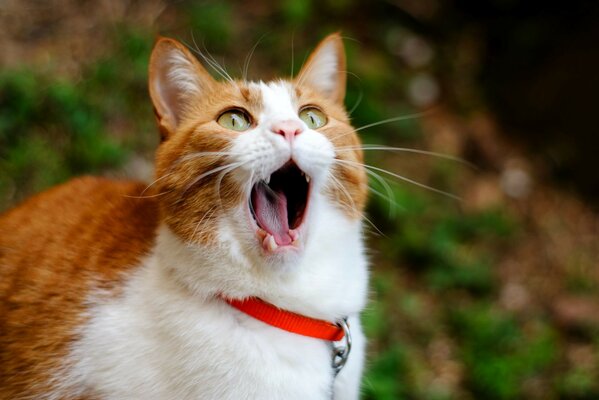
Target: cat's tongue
<point>270,210</point>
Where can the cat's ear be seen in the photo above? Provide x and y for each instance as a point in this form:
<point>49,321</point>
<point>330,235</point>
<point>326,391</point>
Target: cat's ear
<point>325,69</point>
<point>175,78</point>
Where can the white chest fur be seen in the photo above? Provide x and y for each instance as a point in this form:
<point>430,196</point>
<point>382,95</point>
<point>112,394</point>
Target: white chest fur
<point>166,347</point>
<point>160,340</point>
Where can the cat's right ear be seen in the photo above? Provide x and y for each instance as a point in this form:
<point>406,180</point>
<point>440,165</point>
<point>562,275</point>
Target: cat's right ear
<point>176,78</point>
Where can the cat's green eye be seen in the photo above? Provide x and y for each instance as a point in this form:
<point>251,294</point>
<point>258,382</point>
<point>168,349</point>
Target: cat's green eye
<point>236,120</point>
<point>313,117</point>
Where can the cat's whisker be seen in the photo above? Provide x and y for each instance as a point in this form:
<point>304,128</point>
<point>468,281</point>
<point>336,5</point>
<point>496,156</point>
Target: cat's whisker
<point>390,196</point>
<point>391,201</point>
<point>208,214</point>
<point>221,177</point>
<point>351,74</point>
<point>369,147</point>
<point>400,177</point>
<point>249,186</point>
<point>365,218</point>
<point>385,121</point>
<point>342,134</point>
<point>272,192</point>
<point>378,231</point>
<point>216,154</point>
<point>358,101</point>
<point>217,67</point>
<point>352,207</point>
<point>211,172</point>
<point>248,59</point>
<point>147,197</point>
<point>292,53</point>
<point>344,191</point>
<point>209,59</point>
<point>141,195</point>
<point>218,182</point>
<point>396,119</point>
<point>305,73</point>
<point>248,191</point>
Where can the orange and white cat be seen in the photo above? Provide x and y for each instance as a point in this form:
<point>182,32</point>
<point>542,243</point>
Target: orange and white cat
<point>123,290</point>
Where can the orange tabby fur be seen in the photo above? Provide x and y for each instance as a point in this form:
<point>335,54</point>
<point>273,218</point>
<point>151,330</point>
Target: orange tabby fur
<point>93,232</point>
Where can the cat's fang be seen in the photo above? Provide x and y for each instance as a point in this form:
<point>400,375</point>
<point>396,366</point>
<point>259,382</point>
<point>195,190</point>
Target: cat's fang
<point>269,243</point>
<point>294,234</point>
<point>306,177</point>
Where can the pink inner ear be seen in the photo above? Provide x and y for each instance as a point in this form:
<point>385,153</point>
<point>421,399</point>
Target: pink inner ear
<point>175,78</point>
<point>325,70</point>
<point>270,209</point>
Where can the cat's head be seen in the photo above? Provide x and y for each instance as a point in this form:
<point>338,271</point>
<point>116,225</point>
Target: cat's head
<point>249,166</point>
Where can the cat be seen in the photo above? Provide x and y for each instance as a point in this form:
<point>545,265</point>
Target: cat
<point>230,276</point>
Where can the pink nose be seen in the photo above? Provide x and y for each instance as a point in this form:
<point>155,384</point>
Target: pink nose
<point>288,129</point>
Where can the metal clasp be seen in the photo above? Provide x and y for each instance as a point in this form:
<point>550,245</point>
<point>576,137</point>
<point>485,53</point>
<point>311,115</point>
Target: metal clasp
<point>341,353</point>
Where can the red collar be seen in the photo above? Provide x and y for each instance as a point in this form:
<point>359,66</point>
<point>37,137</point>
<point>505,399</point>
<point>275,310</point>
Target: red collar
<point>287,320</point>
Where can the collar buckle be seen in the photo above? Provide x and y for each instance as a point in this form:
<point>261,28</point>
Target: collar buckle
<point>340,353</point>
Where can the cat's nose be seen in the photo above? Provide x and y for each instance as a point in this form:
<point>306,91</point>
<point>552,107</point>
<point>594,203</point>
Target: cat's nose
<point>289,129</point>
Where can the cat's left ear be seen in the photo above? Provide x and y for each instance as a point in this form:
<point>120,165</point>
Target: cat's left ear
<point>176,79</point>
<point>325,69</point>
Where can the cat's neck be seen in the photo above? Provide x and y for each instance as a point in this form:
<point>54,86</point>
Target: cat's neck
<point>329,281</point>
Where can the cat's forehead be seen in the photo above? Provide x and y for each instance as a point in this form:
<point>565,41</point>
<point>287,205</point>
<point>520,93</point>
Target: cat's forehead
<point>277,97</point>
<point>265,101</point>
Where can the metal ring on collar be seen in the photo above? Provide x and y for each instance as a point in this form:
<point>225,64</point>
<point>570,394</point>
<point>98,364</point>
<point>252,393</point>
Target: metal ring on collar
<point>341,353</point>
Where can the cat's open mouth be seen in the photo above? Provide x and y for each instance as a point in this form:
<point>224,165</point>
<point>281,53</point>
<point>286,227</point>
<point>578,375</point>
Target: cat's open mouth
<point>279,206</point>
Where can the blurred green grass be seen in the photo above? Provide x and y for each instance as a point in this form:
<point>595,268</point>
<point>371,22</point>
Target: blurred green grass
<point>434,323</point>
<point>54,128</point>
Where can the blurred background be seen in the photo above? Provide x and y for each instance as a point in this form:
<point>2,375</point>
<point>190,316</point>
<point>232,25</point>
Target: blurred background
<point>493,296</point>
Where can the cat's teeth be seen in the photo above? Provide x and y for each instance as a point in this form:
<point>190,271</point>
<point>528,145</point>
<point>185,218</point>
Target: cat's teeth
<point>269,243</point>
<point>267,180</point>
<point>294,237</point>
<point>294,234</point>
<point>306,177</point>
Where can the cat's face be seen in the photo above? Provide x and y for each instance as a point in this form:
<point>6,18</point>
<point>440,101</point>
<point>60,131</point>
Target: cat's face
<point>247,165</point>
